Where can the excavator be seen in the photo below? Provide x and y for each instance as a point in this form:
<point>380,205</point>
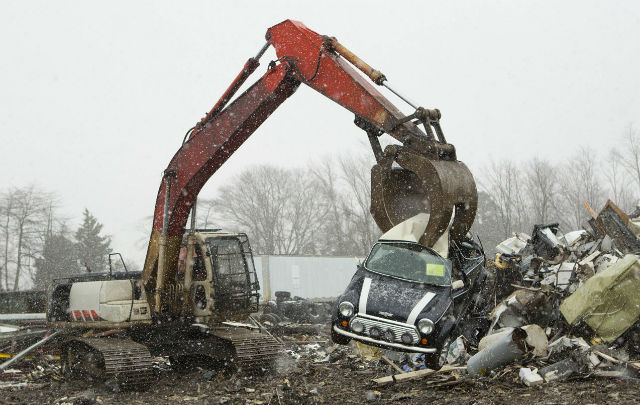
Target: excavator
<point>198,287</point>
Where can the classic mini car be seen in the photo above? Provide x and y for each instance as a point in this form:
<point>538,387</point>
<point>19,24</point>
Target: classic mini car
<point>408,297</point>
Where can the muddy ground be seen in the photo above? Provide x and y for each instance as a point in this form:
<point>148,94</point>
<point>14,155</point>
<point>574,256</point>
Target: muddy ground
<point>314,371</point>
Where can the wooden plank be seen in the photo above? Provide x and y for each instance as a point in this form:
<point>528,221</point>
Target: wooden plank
<point>616,361</point>
<point>589,258</point>
<point>595,218</point>
<point>618,211</point>
<point>413,375</point>
<point>590,210</point>
<point>394,365</point>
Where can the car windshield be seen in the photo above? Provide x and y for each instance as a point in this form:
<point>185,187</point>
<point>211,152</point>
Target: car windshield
<point>412,262</point>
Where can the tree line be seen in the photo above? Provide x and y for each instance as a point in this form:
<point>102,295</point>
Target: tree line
<point>323,209</point>
<point>37,245</point>
<point>513,196</point>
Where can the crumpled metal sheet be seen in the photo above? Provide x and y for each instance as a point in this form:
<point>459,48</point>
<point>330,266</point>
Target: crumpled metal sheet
<point>609,301</point>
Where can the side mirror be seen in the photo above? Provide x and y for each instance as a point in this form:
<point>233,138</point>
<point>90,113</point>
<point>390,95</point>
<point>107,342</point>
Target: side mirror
<point>456,285</point>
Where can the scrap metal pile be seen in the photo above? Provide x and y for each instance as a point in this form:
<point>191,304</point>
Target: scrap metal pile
<point>563,305</point>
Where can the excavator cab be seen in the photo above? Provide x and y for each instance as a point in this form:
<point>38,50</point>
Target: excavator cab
<point>234,273</point>
<point>219,274</point>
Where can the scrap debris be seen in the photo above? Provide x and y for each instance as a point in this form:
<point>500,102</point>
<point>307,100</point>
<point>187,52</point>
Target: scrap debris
<point>579,289</point>
<point>557,307</point>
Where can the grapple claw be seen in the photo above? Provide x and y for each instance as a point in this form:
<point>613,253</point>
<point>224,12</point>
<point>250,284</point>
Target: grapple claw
<point>421,184</point>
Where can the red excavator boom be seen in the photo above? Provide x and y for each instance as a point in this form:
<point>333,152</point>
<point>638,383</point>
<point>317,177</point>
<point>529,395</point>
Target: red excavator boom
<point>430,178</point>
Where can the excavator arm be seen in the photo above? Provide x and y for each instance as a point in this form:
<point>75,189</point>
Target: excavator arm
<point>429,177</point>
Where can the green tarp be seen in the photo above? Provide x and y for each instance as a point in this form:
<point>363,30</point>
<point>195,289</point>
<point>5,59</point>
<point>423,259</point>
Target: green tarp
<point>608,302</point>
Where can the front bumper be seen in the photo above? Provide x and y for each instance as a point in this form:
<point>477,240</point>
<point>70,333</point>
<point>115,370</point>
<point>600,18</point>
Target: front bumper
<point>390,345</point>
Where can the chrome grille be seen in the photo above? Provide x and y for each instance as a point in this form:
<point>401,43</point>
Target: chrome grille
<point>397,328</point>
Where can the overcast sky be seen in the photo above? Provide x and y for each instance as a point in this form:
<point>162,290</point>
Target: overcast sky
<point>95,97</point>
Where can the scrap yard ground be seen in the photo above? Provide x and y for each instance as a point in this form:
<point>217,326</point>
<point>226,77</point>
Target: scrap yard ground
<point>320,372</point>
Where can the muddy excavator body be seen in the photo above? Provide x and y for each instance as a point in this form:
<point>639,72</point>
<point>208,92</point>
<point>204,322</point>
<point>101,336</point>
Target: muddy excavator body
<point>113,337</point>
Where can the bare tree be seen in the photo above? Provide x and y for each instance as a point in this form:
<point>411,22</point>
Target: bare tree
<point>542,188</point>
<point>629,155</point>
<point>345,189</point>
<point>29,219</point>
<point>621,186</point>
<point>333,237</point>
<point>205,213</point>
<point>580,181</point>
<point>356,173</point>
<point>504,186</point>
<point>278,208</point>
<point>143,230</point>
<point>8,202</point>
<point>487,225</point>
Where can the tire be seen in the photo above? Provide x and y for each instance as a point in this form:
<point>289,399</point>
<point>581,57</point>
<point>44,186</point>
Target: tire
<point>436,360</point>
<point>339,339</point>
<point>273,319</point>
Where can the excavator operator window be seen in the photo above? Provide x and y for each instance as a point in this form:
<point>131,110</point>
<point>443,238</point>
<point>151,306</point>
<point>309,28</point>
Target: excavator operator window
<point>229,264</point>
<point>199,268</point>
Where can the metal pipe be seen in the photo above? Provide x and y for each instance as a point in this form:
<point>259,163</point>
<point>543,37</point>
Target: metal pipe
<point>262,51</point>
<point>23,317</point>
<point>28,350</point>
<point>376,76</point>
<point>505,350</point>
<point>188,274</point>
<point>249,67</point>
<point>169,174</point>
<point>193,214</point>
<point>405,99</point>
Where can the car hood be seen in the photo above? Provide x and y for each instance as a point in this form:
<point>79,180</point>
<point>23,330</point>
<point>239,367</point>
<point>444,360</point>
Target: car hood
<point>396,299</point>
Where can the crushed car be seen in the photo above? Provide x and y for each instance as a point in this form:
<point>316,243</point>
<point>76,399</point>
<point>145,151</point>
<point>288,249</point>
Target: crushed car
<point>409,297</point>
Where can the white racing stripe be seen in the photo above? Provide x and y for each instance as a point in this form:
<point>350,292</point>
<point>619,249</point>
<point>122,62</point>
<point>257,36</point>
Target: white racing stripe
<point>364,295</point>
<point>419,307</point>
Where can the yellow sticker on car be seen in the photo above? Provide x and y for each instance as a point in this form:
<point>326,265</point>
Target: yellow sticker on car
<point>435,270</point>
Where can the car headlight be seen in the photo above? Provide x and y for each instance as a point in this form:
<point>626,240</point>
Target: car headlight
<point>346,309</point>
<point>425,326</point>
<point>406,338</point>
<point>389,336</point>
<point>357,326</point>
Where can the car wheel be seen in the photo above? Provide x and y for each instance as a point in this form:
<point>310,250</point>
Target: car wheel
<point>436,360</point>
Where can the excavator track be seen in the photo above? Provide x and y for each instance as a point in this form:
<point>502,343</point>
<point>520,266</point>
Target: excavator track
<point>121,360</point>
<point>254,352</point>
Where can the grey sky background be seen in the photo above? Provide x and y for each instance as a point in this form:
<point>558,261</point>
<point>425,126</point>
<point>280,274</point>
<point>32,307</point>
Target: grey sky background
<point>96,97</point>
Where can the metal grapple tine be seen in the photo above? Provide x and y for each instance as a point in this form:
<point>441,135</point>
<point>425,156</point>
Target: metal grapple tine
<point>423,185</point>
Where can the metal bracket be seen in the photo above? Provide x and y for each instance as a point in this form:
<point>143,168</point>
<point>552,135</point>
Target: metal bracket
<point>373,133</point>
<point>429,118</point>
